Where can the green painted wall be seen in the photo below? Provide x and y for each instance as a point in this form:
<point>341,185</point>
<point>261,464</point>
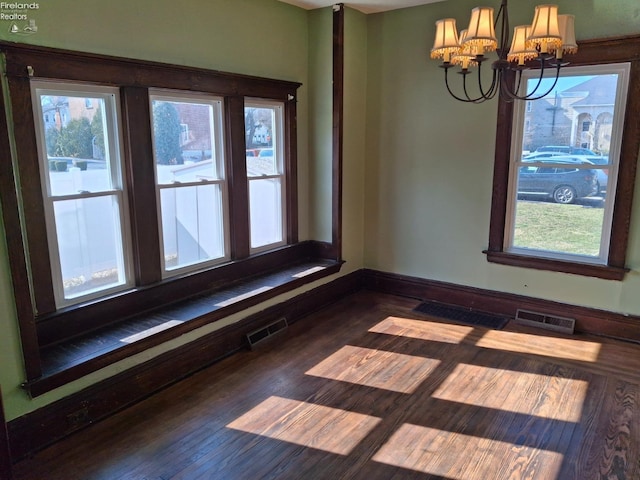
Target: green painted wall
<point>256,37</point>
<point>321,122</point>
<point>354,146</point>
<point>430,161</point>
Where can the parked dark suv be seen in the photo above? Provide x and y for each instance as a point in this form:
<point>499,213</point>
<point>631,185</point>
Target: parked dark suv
<point>563,184</point>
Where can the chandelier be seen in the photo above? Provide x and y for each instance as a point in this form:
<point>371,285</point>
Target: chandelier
<point>541,44</point>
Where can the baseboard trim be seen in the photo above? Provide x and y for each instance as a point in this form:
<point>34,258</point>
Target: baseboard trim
<point>588,320</point>
<point>34,431</point>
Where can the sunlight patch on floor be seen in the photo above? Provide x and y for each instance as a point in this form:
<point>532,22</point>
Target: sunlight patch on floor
<point>515,391</point>
<point>463,457</point>
<point>375,368</point>
<point>422,330</point>
<point>537,345</point>
<point>315,426</point>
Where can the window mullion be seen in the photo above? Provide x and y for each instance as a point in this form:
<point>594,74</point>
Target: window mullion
<point>237,177</point>
<point>139,173</point>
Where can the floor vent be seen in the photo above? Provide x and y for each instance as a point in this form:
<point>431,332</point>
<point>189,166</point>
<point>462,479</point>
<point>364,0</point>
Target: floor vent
<point>550,322</point>
<point>263,334</point>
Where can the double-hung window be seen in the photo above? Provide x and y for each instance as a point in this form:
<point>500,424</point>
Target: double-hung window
<point>265,173</point>
<point>188,146</point>
<point>83,190</point>
<point>561,196</point>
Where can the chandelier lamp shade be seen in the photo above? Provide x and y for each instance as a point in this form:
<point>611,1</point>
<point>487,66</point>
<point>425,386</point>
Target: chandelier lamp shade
<point>541,44</point>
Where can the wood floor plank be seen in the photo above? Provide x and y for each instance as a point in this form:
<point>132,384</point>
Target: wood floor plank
<point>368,389</point>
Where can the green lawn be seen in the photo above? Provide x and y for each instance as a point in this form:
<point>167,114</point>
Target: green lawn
<point>574,229</point>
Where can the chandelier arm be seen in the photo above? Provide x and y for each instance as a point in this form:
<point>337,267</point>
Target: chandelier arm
<point>466,100</point>
<point>506,93</point>
<point>549,90</point>
<point>540,77</point>
<point>495,84</point>
<point>534,95</point>
<point>491,92</point>
<point>479,99</point>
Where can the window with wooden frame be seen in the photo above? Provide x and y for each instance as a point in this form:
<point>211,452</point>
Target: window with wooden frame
<point>193,205</point>
<point>509,244</point>
<point>84,197</point>
<point>153,226</point>
<point>265,173</point>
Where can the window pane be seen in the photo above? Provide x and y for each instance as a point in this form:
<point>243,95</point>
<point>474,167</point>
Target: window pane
<point>188,148</point>
<point>562,186</point>
<point>184,140</point>
<point>264,139</point>
<point>192,225</point>
<point>75,131</point>
<point>261,123</point>
<point>89,244</point>
<point>266,211</point>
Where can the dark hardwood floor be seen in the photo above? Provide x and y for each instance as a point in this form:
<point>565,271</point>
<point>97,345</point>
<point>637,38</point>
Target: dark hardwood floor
<point>369,389</point>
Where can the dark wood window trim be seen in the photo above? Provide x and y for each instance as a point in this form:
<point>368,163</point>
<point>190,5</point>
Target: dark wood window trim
<point>338,127</point>
<point>42,326</point>
<point>591,52</point>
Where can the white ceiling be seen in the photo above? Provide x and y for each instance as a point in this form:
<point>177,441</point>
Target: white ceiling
<point>365,6</point>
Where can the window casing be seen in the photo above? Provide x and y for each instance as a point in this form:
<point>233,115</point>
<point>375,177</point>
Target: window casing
<point>149,284</point>
<point>592,52</point>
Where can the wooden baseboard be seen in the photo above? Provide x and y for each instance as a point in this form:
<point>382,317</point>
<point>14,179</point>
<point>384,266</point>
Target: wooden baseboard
<point>36,430</point>
<point>588,320</point>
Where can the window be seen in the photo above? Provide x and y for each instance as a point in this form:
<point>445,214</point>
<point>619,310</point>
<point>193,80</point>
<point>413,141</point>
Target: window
<point>560,206</point>
<point>190,180</point>
<point>146,198</point>
<point>568,209</point>
<point>265,173</point>
<point>84,201</point>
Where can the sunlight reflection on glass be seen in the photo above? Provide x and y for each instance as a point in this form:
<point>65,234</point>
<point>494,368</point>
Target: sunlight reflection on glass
<point>460,457</point>
<point>375,368</point>
<point>315,426</point>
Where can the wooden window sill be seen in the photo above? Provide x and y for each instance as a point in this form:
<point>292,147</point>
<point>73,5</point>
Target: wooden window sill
<point>606,272</point>
<point>72,359</point>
